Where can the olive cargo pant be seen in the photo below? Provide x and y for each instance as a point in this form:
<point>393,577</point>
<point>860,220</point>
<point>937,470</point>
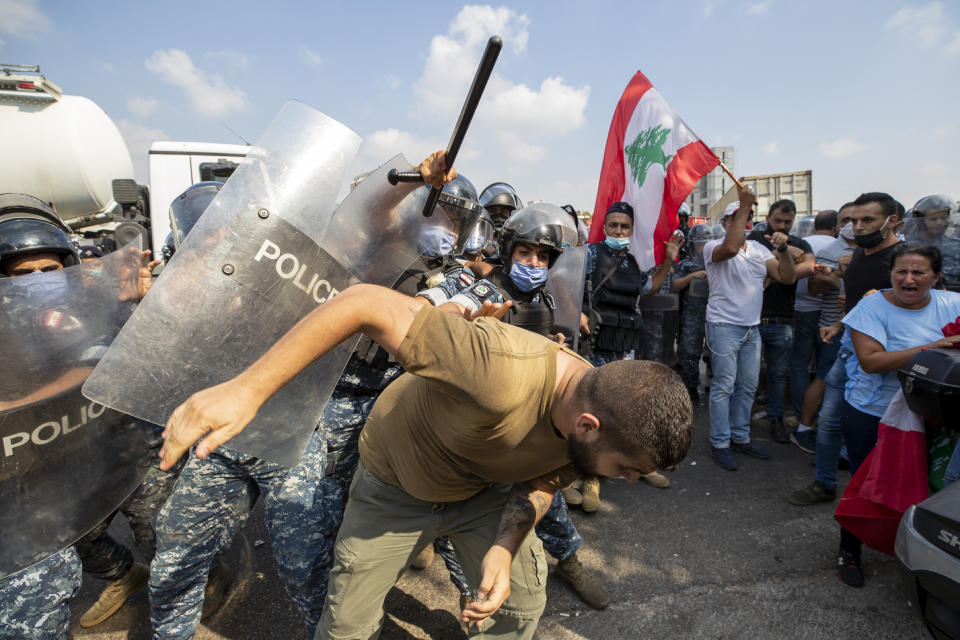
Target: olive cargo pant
<point>384,528</point>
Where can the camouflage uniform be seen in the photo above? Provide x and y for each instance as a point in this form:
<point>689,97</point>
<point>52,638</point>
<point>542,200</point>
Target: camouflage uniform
<point>600,358</point>
<point>343,419</point>
<point>692,325</point>
<point>211,501</point>
<point>103,556</point>
<point>35,602</point>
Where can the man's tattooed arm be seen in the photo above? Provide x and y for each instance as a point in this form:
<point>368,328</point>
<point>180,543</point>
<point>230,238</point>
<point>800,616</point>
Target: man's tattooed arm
<point>524,508</point>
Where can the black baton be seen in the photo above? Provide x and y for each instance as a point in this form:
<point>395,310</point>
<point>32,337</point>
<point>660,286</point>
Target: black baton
<point>490,53</point>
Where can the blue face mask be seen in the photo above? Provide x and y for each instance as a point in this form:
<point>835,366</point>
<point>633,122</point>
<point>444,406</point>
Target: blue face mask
<point>436,241</point>
<point>617,244</point>
<point>527,278</point>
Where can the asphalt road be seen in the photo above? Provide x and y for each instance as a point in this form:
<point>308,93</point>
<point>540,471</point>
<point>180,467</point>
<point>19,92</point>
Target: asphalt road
<point>718,555</point>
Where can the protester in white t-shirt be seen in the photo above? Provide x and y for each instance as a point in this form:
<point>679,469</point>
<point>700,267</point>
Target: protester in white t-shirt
<point>736,269</point>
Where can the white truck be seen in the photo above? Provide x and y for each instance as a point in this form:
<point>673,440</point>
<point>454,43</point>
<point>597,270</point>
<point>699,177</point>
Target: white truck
<point>66,151</point>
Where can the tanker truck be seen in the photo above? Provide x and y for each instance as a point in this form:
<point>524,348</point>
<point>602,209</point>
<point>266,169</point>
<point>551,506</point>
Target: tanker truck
<point>65,150</point>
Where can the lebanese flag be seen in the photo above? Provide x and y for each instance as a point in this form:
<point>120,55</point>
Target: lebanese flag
<point>652,161</point>
<point>891,479</point>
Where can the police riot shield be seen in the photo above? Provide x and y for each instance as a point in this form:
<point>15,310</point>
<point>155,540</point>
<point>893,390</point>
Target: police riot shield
<point>66,462</point>
<point>566,282</point>
<point>265,253</point>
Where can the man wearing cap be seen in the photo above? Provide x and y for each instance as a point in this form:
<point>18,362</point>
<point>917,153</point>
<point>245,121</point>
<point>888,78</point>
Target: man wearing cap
<point>736,269</point>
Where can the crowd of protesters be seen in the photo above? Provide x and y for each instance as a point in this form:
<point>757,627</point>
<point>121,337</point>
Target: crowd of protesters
<point>833,305</point>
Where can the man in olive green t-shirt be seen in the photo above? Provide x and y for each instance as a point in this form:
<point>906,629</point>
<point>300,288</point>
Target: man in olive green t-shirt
<point>445,441</point>
<point>449,450</point>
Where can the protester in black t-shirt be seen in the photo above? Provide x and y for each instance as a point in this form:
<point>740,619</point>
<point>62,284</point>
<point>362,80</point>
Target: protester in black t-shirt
<point>776,316</point>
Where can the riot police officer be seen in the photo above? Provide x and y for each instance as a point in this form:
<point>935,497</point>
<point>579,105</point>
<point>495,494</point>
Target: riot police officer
<point>33,239</point>
<point>614,285</point>
<point>500,200</point>
<point>34,602</point>
<point>683,217</point>
<point>933,220</point>
<point>690,278</point>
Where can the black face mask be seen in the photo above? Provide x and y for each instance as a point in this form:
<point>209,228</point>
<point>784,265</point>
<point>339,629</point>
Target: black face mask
<point>870,240</point>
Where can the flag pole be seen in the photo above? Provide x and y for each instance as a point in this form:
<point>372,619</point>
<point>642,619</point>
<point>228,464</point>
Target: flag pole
<point>722,166</point>
<point>732,177</point>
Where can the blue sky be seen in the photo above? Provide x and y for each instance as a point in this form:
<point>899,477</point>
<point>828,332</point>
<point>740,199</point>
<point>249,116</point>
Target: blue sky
<point>864,94</point>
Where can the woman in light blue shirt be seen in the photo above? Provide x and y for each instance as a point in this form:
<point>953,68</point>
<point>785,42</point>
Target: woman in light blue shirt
<point>887,329</point>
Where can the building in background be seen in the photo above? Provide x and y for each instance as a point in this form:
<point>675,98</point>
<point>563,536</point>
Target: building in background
<point>711,187</point>
<point>795,185</point>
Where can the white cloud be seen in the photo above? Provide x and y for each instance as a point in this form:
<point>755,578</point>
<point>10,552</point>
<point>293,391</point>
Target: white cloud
<point>924,24</point>
<point>380,146</point>
<point>841,148</point>
<point>553,109</point>
<point>556,108</point>
<point>227,57</point>
<point>209,93</point>
<point>953,47</point>
<point>393,82</point>
<point>524,154</point>
<point>139,138</point>
<point>707,10</point>
<point>22,18</point>
<point>310,56</point>
<point>141,107</point>
<point>771,147</point>
<point>759,8</point>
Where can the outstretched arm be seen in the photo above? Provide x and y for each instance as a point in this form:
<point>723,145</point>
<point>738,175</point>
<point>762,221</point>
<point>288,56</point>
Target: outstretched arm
<point>525,506</point>
<point>225,409</point>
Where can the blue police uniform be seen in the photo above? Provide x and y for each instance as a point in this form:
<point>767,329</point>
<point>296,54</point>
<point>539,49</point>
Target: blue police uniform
<point>35,602</point>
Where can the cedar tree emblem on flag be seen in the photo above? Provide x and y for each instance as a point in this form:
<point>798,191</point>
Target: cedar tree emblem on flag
<point>647,149</point>
<point>652,160</point>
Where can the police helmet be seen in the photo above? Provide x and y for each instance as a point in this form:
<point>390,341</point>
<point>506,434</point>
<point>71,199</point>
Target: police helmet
<point>684,211</point>
<point>718,231</point>
<point>500,194</point>
<point>458,200</point>
<point>187,208</point>
<point>933,204</point>
<point>29,225</point>
<point>581,228</point>
<point>700,233</point>
<point>804,227</point>
<point>479,239</point>
<point>759,227</point>
<point>541,224</point>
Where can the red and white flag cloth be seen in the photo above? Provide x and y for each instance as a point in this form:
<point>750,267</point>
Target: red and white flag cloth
<point>652,161</point>
<point>891,479</point>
